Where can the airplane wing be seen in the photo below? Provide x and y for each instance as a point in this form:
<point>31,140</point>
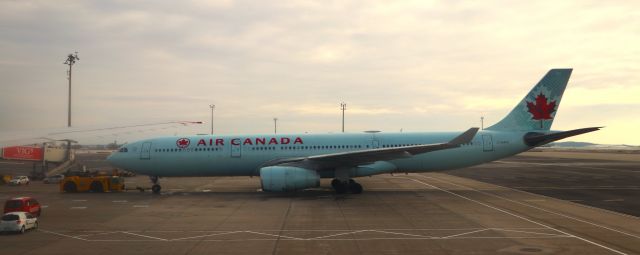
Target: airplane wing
<point>355,158</point>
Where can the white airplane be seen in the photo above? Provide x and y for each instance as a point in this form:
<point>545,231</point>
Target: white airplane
<point>289,162</point>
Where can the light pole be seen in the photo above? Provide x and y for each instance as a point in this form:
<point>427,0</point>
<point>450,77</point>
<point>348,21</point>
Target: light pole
<point>212,106</point>
<point>481,122</point>
<point>343,107</point>
<point>71,59</point>
<point>275,125</point>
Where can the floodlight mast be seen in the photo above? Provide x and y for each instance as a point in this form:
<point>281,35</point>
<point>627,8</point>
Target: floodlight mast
<point>275,125</point>
<point>212,106</point>
<point>71,59</point>
<point>343,107</point>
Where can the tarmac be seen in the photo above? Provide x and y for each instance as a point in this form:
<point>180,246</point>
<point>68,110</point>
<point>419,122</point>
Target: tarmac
<point>527,204</point>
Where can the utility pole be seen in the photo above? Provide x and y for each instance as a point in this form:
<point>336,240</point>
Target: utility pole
<point>275,125</point>
<point>343,107</point>
<point>71,59</point>
<point>212,106</point>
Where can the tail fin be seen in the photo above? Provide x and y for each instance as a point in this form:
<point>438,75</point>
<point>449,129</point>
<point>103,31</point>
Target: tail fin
<point>538,108</point>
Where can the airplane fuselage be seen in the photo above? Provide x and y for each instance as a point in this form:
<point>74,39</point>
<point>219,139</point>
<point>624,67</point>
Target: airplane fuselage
<point>238,155</point>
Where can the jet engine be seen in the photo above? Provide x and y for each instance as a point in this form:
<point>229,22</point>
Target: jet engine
<point>288,178</point>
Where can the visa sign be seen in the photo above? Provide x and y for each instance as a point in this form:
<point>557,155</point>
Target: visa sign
<point>23,153</point>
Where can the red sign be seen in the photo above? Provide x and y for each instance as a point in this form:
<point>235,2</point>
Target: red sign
<point>22,153</point>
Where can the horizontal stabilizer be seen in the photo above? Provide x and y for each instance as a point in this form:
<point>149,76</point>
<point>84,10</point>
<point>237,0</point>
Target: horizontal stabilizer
<point>534,139</point>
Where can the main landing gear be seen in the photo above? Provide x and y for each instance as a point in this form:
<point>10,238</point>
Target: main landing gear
<point>156,186</point>
<point>342,187</point>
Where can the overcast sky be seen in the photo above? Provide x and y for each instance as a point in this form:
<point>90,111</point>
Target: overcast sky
<point>411,65</point>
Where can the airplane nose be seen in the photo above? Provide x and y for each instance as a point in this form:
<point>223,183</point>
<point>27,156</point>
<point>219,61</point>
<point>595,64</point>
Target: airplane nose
<point>110,158</point>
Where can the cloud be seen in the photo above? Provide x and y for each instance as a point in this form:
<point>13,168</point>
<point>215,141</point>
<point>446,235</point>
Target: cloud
<point>417,65</point>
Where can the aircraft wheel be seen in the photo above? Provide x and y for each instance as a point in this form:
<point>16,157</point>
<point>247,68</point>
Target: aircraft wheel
<point>355,187</point>
<point>156,189</point>
<point>338,186</point>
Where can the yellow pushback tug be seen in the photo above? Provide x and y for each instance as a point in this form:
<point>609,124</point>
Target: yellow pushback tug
<point>101,183</point>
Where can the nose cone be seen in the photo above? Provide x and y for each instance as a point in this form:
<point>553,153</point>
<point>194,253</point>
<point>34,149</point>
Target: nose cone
<point>112,158</point>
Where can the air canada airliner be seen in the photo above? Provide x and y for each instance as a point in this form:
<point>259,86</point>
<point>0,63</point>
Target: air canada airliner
<point>290,162</point>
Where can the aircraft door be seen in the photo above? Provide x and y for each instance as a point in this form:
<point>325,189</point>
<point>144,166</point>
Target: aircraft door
<point>145,151</point>
<point>375,144</point>
<point>236,150</point>
<point>487,143</point>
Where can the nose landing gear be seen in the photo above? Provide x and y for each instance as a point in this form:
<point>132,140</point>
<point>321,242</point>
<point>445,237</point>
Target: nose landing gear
<point>156,186</point>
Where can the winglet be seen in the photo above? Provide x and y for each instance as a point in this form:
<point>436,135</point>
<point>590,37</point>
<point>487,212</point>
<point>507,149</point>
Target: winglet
<point>465,137</point>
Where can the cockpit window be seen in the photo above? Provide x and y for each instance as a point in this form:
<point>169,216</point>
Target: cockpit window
<point>123,149</point>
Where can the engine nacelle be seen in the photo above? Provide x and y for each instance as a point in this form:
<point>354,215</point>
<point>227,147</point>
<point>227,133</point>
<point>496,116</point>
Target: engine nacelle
<point>288,178</point>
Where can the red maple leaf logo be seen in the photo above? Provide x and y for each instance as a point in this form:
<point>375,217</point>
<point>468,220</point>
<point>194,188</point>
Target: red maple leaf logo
<point>183,143</point>
<point>540,109</point>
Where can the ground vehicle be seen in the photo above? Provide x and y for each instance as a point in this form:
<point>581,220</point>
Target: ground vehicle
<point>23,204</point>
<point>5,179</point>
<point>53,179</point>
<point>18,222</point>
<point>18,180</point>
<point>92,183</point>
